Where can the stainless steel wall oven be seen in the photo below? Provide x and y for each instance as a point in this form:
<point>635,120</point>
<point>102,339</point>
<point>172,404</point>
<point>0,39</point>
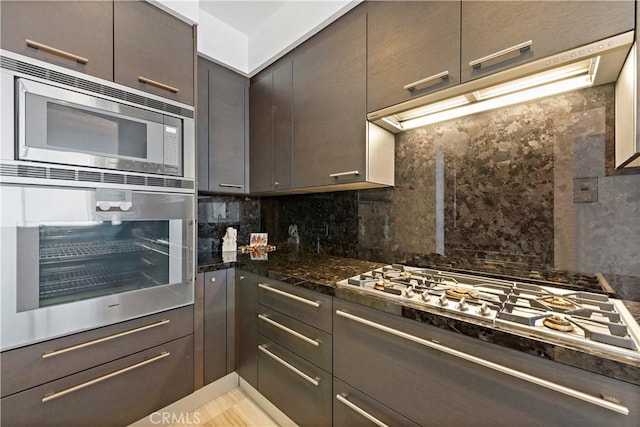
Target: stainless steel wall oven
<point>96,202</point>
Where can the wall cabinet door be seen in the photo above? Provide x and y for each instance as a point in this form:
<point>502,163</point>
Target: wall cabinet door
<point>223,101</point>
<point>77,30</point>
<point>329,103</point>
<point>409,42</point>
<point>247,326</point>
<point>271,128</point>
<point>116,393</point>
<point>153,51</point>
<point>550,26</point>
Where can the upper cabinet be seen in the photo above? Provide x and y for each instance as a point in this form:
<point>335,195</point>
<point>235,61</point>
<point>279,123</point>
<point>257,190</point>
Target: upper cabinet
<point>223,124</point>
<point>153,51</point>
<point>497,35</point>
<point>72,34</point>
<point>130,42</point>
<point>271,128</point>
<point>412,50</point>
<point>330,135</point>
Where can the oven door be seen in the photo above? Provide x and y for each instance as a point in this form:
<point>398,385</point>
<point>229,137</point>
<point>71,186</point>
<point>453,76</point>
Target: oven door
<point>78,258</point>
<point>62,126</point>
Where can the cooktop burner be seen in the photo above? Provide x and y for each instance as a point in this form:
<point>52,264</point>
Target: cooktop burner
<point>584,318</point>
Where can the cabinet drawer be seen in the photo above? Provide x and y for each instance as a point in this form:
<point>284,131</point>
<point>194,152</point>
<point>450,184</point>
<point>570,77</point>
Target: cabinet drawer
<point>351,408</point>
<point>302,304</point>
<point>298,388</point>
<point>116,393</point>
<point>306,341</point>
<point>30,366</point>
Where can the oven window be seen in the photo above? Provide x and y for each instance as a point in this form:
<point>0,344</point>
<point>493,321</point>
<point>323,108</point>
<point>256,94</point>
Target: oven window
<point>87,131</point>
<point>82,262</point>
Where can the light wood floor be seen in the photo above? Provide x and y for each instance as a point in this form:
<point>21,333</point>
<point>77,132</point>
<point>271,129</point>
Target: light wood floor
<point>232,409</point>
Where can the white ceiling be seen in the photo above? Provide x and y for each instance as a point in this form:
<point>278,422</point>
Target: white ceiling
<point>243,15</point>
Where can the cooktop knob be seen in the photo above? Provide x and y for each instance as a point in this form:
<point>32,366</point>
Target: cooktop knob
<point>425,296</point>
<point>484,309</point>
<point>443,300</point>
<point>409,292</point>
<point>462,305</point>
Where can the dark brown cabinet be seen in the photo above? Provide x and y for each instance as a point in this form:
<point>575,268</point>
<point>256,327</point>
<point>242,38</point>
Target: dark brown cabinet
<point>72,34</point>
<point>271,128</point>
<point>219,324</point>
<point>329,102</point>
<point>153,51</point>
<point>247,326</point>
<point>223,124</point>
<point>492,31</point>
<point>395,355</point>
<point>412,49</point>
<point>113,375</point>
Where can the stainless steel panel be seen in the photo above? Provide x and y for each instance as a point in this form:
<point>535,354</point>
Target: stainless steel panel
<point>26,209</point>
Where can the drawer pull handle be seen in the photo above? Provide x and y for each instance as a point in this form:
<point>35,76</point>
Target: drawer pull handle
<point>52,50</point>
<point>304,338</point>
<point>314,381</point>
<point>231,185</point>
<point>104,339</point>
<point>159,85</point>
<point>360,411</point>
<point>413,86</point>
<point>341,174</point>
<point>491,365</point>
<point>521,47</point>
<point>64,392</point>
<point>315,304</point>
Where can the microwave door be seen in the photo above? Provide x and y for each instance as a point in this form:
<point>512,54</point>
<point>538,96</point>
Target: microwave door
<point>63,126</point>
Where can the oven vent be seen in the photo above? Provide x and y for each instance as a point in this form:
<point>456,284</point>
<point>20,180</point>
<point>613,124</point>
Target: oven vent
<point>136,180</point>
<point>113,178</point>
<point>90,86</point>
<point>155,182</point>
<point>28,171</point>
<point>89,176</point>
<point>66,174</point>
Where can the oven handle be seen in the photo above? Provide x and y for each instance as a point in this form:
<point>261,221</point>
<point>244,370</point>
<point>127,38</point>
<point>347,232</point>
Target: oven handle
<point>66,391</point>
<point>53,353</point>
<point>315,304</point>
<point>296,334</point>
<point>496,367</point>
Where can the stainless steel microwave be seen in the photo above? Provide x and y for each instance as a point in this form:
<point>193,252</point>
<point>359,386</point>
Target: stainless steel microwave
<point>60,116</point>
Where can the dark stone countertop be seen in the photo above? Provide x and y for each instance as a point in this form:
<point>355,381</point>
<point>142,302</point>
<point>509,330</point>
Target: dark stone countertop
<point>321,272</point>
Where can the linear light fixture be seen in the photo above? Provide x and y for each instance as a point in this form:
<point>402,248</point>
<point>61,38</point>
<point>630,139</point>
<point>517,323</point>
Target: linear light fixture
<point>570,77</point>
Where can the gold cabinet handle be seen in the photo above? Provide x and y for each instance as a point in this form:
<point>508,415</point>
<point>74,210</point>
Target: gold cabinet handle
<point>66,391</point>
<point>52,50</point>
<point>103,339</point>
<point>150,82</point>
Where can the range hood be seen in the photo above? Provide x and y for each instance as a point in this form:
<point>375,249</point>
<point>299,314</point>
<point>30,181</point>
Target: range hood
<point>590,65</point>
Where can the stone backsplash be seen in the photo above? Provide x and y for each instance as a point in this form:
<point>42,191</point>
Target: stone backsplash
<point>530,186</point>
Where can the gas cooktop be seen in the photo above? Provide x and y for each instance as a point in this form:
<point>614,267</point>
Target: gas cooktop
<point>585,319</point>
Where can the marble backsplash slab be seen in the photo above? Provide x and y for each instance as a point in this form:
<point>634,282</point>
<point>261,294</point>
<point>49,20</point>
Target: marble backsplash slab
<point>527,188</point>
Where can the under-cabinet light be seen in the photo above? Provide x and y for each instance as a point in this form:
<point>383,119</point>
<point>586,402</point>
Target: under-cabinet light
<point>513,98</point>
<point>573,76</point>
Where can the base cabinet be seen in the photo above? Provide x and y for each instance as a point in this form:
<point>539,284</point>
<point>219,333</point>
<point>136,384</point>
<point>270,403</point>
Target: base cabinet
<point>116,393</point>
<point>352,408</point>
<point>247,326</point>
<point>297,387</point>
<point>408,367</point>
